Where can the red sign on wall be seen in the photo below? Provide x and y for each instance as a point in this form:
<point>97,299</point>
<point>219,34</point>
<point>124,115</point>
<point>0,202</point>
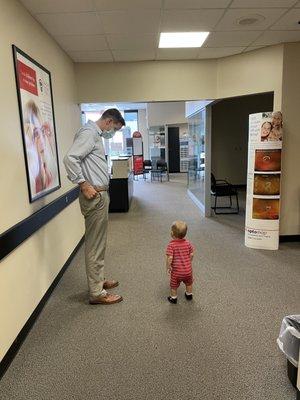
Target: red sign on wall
<point>27,78</point>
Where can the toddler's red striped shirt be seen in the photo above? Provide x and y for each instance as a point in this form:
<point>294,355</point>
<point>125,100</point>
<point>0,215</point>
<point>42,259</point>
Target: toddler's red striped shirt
<point>180,250</point>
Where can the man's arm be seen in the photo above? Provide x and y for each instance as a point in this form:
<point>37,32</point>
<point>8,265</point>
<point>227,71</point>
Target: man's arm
<point>83,144</point>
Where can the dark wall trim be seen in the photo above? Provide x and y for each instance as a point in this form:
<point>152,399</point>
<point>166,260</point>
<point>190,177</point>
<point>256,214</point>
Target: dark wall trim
<point>9,356</point>
<point>16,235</point>
<point>289,238</point>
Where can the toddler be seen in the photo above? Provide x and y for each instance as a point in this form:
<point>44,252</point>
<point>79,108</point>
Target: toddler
<point>179,256</point>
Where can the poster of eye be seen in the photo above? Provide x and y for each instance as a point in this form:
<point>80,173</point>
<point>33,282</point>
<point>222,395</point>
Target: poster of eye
<point>263,181</point>
<point>35,99</point>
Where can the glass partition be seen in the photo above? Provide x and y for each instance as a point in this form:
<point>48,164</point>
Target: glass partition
<point>196,169</point>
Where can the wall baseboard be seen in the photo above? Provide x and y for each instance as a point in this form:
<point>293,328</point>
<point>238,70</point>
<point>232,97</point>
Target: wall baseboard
<point>11,353</point>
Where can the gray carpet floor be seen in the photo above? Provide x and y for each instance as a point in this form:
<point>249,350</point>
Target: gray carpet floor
<point>220,346</point>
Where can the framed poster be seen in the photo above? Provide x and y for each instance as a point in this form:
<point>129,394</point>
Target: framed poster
<point>35,99</point>
<point>264,180</point>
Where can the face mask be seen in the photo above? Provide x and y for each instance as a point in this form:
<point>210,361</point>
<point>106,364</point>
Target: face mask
<point>108,134</point>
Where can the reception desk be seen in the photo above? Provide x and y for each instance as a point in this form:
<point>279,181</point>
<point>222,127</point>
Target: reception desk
<point>121,184</point>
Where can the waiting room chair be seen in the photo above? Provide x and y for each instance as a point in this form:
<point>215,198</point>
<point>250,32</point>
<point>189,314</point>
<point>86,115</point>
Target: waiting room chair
<point>147,167</point>
<point>222,188</point>
<point>160,170</point>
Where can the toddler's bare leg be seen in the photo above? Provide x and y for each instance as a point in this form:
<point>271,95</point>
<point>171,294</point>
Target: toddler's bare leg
<point>189,289</point>
<point>189,292</point>
<point>173,298</point>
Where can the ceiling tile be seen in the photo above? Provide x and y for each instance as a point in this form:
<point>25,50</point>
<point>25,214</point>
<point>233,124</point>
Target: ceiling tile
<point>126,22</point>
<point>109,5</point>
<point>71,24</point>
<point>177,54</point>
<point>58,6</point>
<point>289,21</point>
<point>194,4</point>
<point>133,55</point>
<point>231,39</point>
<point>219,52</point>
<point>262,3</point>
<point>91,56</point>
<point>127,42</point>
<point>187,21</point>
<point>230,20</point>
<point>82,42</point>
<point>273,37</point>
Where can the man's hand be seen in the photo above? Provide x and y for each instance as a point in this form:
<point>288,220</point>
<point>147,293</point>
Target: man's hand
<point>169,269</point>
<point>88,191</point>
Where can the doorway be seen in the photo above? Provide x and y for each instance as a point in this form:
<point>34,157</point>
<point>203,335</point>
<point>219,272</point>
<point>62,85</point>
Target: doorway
<point>174,149</point>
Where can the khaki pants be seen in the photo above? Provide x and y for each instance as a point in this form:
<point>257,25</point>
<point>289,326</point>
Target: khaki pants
<point>95,212</point>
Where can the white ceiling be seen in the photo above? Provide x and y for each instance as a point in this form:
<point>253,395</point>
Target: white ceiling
<point>128,30</point>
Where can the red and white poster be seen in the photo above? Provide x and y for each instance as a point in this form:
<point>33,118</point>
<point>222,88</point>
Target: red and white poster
<point>137,142</point>
<point>38,125</point>
<point>263,181</point>
<point>138,165</point>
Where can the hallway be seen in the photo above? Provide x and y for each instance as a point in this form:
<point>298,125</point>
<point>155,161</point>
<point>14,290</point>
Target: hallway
<point>222,346</point>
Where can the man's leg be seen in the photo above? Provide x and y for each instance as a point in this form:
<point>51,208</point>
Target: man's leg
<point>95,212</point>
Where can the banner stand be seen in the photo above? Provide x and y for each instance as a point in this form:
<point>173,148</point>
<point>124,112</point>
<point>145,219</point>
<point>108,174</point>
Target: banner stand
<point>263,181</point>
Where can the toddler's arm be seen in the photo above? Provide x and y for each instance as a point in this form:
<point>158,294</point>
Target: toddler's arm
<point>169,260</point>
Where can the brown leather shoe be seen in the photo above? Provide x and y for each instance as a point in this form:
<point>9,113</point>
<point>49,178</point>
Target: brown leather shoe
<point>106,299</point>
<point>110,284</point>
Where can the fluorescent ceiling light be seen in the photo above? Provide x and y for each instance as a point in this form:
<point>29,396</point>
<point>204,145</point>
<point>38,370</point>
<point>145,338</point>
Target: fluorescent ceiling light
<point>182,39</point>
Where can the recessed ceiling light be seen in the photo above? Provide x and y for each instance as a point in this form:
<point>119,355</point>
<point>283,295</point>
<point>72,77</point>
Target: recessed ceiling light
<point>250,19</point>
<point>182,39</point>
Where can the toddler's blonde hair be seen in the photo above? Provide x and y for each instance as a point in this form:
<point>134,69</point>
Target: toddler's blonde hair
<point>179,229</point>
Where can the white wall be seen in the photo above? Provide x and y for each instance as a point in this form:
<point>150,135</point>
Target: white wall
<point>166,113</point>
<point>191,107</point>
<point>142,123</point>
<point>27,273</point>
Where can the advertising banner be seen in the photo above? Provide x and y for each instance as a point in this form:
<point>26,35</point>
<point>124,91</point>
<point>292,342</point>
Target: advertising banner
<point>263,180</point>
<point>37,124</point>
<point>138,165</point>
<point>137,142</point>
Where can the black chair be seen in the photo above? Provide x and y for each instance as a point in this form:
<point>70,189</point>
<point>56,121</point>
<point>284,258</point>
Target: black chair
<point>222,188</point>
<point>147,167</point>
<point>160,170</point>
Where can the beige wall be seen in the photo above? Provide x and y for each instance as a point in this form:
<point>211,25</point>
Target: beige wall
<point>146,81</point>
<point>26,274</point>
<point>253,72</point>
<point>290,185</point>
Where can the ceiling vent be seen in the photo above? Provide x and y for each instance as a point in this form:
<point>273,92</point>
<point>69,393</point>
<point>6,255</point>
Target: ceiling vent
<point>253,19</point>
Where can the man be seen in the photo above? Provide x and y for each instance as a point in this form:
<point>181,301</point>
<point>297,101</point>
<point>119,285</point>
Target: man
<point>86,166</point>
